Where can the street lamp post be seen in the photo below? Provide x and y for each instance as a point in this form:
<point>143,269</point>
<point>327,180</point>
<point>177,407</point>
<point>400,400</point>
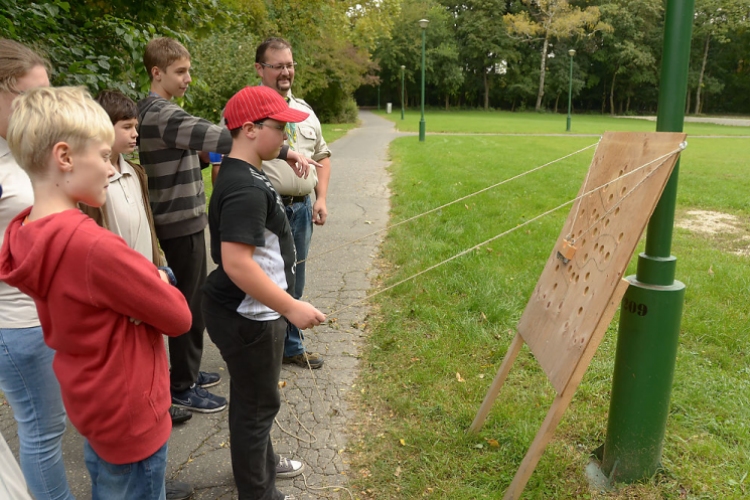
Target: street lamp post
<point>422,24</point>
<point>571,53</point>
<point>402,90</point>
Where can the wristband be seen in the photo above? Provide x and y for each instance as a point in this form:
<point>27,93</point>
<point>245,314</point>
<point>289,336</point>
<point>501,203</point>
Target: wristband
<point>170,275</point>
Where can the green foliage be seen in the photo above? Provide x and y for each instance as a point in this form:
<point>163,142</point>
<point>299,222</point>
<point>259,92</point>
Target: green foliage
<point>223,63</point>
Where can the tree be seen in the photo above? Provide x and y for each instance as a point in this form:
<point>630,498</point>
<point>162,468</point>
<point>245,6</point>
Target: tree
<point>548,19</point>
<point>714,20</point>
<point>482,38</point>
<point>627,53</point>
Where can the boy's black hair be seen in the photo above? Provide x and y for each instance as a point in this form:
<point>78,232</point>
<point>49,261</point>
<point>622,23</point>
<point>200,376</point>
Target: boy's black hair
<point>117,105</point>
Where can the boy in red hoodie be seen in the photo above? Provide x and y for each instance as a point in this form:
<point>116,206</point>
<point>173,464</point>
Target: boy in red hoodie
<point>103,307</point>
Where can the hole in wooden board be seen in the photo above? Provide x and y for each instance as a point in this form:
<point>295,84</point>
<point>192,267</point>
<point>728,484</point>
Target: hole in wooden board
<point>586,257</point>
<point>586,278</point>
<point>606,223</point>
<point>559,306</point>
<point>554,287</point>
<point>585,291</point>
<point>617,211</point>
<point>611,197</point>
<point>606,257</point>
<point>623,191</point>
<point>549,304</point>
<point>619,237</point>
<point>557,267</point>
<point>580,311</point>
<point>583,211</point>
<point>620,174</point>
<point>596,231</point>
<point>601,250</point>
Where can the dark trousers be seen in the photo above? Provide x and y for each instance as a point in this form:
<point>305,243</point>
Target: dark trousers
<point>252,351</point>
<point>186,255</point>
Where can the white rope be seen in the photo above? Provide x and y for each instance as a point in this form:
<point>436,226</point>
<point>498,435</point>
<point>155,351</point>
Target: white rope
<point>348,243</point>
<point>507,232</point>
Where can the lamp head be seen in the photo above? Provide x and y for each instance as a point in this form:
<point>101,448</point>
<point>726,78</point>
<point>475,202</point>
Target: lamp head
<point>423,23</point>
<point>572,52</point>
<point>403,67</point>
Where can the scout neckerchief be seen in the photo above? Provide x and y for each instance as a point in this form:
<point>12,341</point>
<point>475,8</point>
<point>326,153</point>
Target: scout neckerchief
<point>291,132</point>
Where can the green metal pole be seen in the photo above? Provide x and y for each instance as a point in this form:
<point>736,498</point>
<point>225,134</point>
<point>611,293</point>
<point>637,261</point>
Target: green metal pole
<point>570,91</point>
<point>652,307</point>
<point>402,92</point>
<point>421,121</point>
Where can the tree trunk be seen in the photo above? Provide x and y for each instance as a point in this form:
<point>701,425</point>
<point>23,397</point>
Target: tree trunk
<point>687,104</point>
<point>557,101</point>
<point>612,94</point>
<point>447,102</point>
<point>486,92</point>
<point>627,106</point>
<point>604,101</point>
<point>542,68</point>
<point>700,77</point>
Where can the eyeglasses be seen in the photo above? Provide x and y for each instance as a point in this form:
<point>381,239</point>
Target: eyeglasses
<point>280,128</point>
<point>279,67</point>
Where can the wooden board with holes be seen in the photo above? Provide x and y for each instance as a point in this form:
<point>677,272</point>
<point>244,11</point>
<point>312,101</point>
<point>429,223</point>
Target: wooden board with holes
<point>624,183</point>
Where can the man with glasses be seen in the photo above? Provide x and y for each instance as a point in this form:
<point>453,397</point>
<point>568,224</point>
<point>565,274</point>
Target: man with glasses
<point>275,66</point>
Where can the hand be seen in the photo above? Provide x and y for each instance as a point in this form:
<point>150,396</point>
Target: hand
<point>320,212</point>
<point>300,164</point>
<point>164,277</point>
<point>303,315</point>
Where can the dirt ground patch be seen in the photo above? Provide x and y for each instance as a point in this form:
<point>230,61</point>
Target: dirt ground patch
<point>727,228</point>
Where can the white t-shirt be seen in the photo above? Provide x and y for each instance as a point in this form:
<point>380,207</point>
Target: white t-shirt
<point>16,309</point>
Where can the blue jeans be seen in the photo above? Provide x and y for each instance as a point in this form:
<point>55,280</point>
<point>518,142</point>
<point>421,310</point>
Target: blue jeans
<point>142,480</point>
<point>30,386</point>
<point>300,220</point>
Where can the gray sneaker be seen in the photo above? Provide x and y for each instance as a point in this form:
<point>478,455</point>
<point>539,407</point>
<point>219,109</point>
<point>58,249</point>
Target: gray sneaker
<point>286,468</point>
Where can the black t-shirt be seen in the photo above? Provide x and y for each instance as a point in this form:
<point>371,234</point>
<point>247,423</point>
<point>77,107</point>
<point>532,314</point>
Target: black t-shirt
<point>245,208</point>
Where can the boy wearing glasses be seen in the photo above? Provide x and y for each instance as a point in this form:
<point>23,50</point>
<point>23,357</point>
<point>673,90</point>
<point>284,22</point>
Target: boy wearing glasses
<point>275,66</point>
<point>247,303</point>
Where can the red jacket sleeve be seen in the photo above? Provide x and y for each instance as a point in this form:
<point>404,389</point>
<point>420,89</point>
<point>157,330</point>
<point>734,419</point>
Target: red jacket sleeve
<point>121,279</point>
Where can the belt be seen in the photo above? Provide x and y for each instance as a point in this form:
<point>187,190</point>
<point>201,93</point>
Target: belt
<point>289,200</point>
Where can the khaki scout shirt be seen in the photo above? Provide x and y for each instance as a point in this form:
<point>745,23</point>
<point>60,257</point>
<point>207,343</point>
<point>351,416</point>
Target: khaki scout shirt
<point>307,139</point>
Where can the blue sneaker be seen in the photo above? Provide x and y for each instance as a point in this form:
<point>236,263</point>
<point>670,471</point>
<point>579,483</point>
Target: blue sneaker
<point>208,379</point>
<point>199,399</point>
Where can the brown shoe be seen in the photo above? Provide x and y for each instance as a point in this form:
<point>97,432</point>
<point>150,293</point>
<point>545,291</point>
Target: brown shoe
<point>315,360</point>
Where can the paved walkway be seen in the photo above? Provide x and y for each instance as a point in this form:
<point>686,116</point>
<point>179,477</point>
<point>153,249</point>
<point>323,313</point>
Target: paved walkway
<point>312,423</point>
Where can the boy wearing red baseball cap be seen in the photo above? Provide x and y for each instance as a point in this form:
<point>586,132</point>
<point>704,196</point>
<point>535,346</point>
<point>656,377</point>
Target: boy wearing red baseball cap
<point>246,305</point>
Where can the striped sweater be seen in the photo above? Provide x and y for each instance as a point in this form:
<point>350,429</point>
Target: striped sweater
<point>170,140</point>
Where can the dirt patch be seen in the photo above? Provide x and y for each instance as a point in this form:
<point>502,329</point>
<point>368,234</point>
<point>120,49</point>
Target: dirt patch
<point>725,227</point>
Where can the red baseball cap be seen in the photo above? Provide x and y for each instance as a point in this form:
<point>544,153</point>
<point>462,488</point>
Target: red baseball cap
<point>252,104</point>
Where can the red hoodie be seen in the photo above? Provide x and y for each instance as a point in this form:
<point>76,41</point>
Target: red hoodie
<point>87,284</point>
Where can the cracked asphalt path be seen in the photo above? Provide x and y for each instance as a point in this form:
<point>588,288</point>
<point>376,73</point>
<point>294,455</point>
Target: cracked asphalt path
<point>312,423</point>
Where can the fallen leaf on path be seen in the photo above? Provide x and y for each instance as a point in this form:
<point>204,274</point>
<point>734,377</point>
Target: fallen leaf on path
<point>459,377</point>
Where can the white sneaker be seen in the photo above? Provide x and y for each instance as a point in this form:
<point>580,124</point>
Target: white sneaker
<point>289,468</point>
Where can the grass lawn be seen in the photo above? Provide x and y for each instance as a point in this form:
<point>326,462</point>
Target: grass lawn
<point>457,321</point>
<point>505,122</point>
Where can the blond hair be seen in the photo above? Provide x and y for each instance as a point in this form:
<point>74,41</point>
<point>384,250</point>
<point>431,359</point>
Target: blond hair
<point>161,52</point>
<point>45,116</point>
<point>16,60</point>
